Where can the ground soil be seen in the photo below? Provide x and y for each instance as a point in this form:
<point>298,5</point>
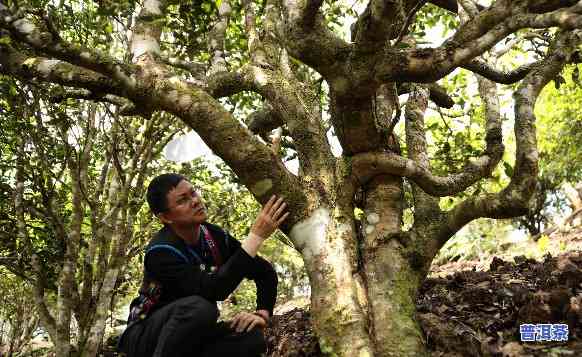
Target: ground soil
<point>476,313</point>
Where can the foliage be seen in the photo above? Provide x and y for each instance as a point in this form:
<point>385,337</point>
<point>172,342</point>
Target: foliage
<point>19,318</point>
<point>480,239</point>
<point>560,124</point>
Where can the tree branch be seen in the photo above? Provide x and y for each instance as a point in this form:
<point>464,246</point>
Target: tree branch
<point>225,84</point>
<point>264,120</point>
<point>426,208</point>
<point>126,107</point>
<point>484,69</point>
<point>367,165</point>
<point>308,38</point>
<point>381,21</point>
<point>146,32</point>
<point>471,40</point>
<point>438,94</point>
<point>54,71</point>
<point>196,69</point>
<point>514,199</point>
<point>257,166</point>
<point>216,39</point>
<point>44,41</point>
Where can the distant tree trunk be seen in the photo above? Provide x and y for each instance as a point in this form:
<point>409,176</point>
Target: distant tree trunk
<point>106,204</point>
<point>574,195</point>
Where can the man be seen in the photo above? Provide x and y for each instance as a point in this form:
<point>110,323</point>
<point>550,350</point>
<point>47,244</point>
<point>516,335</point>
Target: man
<point>188,266</point>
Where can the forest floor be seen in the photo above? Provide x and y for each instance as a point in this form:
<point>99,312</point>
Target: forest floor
<point>476,308</point>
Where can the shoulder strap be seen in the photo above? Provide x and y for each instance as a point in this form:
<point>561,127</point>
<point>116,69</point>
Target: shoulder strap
<point>212,245</point>
<point>170,248</point>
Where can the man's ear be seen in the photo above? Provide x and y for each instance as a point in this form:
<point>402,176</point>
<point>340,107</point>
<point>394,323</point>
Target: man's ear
<point>164,218</point>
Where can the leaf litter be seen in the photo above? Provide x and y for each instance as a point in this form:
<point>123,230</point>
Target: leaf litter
<point>476,313</point>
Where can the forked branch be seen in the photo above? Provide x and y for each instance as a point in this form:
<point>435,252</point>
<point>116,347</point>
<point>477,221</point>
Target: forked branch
<point>514,199</point>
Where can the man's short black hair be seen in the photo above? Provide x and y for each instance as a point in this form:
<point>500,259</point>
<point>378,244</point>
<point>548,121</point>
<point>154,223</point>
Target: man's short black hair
<point>158,190</point>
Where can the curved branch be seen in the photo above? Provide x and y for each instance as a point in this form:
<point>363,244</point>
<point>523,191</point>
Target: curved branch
<point>311,41</point>
<point>367,165</point>
<point>194,68</point>
<point>26,31</point>
<point>381,21</point>
<point>54,71</point>
<point>484,69</point>
<point>264,120</point>
<point>300,112</point>
<point>290,103</point>
<point>513,201</point>
<point>438,94</point>
<point>472,39</point>
<point>225,84</point>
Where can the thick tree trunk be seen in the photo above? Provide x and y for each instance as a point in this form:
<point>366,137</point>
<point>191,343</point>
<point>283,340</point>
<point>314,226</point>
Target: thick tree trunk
<point>362,301</point>
<point>390,280</point>
<point>326,242</point>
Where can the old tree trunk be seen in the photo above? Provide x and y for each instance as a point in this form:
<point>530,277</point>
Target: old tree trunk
<point>364,272</point>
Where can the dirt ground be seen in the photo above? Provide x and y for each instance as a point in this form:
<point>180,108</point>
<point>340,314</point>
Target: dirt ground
<point>474,308</point>
<point>476,313</point>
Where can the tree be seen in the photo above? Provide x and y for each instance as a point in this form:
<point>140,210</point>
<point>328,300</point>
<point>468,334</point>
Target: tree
<point>18,319</point>
<point>197,61</point>
<point>76,188</point>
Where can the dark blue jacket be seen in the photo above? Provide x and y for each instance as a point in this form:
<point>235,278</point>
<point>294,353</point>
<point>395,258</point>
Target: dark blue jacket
<point>169,261</point>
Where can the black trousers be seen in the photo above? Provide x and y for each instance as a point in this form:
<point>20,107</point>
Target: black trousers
<point>188,328</point>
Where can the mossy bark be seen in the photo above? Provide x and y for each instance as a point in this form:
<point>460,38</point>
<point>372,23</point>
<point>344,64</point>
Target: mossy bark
<point>363,300</point>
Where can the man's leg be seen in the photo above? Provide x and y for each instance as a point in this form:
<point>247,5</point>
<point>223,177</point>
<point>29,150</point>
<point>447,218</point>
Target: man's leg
<point>176,330</point>
<point>229,343</point>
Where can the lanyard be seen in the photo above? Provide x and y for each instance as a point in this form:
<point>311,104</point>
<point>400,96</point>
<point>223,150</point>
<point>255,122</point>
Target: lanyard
<point>207,243</point>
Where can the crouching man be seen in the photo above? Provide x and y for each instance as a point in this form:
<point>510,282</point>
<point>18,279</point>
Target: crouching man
<point>188,266</point>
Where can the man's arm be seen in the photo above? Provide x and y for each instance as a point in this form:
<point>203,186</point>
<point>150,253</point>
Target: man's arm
<point>265,278</point>
<point>183,279</point>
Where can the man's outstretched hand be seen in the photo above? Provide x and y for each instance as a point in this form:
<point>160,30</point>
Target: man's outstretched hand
<point>270,217</point>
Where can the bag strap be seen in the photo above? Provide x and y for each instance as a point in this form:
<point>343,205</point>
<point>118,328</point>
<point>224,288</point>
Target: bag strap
<point>212,245</point>
<point>170,248</point>
<point>209,240</point>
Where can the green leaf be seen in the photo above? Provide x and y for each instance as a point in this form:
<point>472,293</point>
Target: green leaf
<point>508,169</point>
<point>543,243</point>
<point>109,27</point>
<point>576,75</point>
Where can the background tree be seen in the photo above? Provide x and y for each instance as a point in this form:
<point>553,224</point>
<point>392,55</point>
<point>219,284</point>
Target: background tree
<point>560,128</point>
<point>77,191</point>
<point>184,58</point>
<point>18,318</point>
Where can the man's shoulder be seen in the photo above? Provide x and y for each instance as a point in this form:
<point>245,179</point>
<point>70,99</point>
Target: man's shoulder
<point>164,236</point>
<point>167,243</point>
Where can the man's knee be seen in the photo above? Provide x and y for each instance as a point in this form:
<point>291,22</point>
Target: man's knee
<point>198,308</point>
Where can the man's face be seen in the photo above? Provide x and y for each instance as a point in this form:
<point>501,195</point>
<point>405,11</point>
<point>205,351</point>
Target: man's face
<point>185,206</point>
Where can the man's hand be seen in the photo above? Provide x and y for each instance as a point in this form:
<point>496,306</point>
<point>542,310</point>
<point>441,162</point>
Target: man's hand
<point>270,217</point>
<point>244,321</point>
